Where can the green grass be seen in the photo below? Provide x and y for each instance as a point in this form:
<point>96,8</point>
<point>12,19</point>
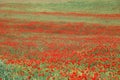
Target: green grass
<point>103,6</point>
<point>82,6</point>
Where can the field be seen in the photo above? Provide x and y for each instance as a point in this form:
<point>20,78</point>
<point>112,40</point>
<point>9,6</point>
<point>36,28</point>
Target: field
<point>60,40</point>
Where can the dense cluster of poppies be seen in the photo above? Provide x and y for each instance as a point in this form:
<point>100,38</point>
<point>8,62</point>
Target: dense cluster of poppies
<point>59,51</point>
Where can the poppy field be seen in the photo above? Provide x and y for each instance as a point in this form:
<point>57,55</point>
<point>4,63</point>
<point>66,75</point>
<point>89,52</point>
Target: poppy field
<point>67,40</point>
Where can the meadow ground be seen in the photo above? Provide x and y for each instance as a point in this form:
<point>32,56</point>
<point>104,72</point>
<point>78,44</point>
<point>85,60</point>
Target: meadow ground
<point>71,40</point>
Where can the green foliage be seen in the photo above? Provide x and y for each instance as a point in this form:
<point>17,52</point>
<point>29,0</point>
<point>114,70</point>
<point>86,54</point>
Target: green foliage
<point>71,6</point>
<point>5,72</point>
